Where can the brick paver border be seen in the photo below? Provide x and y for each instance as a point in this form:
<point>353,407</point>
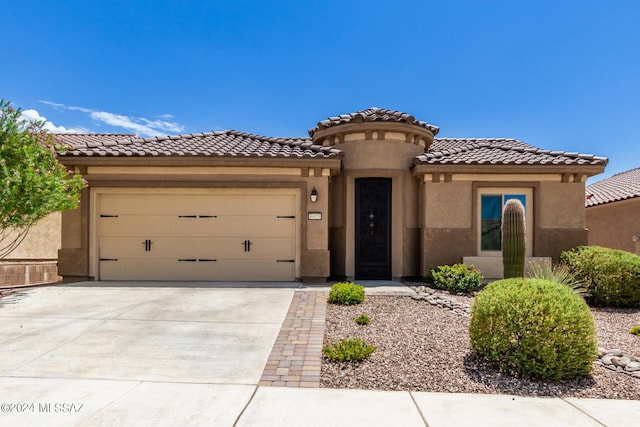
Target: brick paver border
<point>297,353</point>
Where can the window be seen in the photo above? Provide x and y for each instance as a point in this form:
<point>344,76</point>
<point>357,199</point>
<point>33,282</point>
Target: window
<point>492,201</point>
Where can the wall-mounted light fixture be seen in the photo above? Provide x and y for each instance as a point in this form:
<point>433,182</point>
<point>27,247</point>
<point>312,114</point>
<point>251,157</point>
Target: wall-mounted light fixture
<point>314,195</point>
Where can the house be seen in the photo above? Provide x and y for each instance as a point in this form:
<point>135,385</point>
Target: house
<point>368,195</point>
<point>613,211</point>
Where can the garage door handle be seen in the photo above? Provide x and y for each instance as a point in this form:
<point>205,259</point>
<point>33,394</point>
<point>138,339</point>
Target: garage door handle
<point>287,216</point>
<point>286,260</point>
<point>187,260</point>
<point>207,260</point>
<point>187,216</point>
<point>208,216</point>
<point>108,259</point>
<point>247,245</point>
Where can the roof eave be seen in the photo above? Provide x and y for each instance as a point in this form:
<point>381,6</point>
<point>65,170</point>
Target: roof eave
<point>588,170</point>
<point>186,161</point>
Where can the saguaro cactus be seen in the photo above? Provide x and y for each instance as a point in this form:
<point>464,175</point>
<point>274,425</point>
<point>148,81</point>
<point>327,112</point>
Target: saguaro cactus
<point>513,237</point>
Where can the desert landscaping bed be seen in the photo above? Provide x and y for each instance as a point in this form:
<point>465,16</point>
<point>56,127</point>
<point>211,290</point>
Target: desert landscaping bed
<point>422,347</point>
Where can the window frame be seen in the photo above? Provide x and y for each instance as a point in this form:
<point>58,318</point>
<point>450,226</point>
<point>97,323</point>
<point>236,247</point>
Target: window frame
<point>529,212</point>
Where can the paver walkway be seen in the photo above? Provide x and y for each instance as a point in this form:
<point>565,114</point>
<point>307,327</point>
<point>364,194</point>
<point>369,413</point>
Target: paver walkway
<point>297,353</point>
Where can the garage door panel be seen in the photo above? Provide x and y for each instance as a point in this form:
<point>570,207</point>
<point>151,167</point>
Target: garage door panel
<point>114,247</point>
<point>269,248</point>
<point>165,225</point>
<point>248,226</point>
<point>262,270</point>
<point>163,204</point>
<point>157,269</point>
<point>195,237</point>
<point>263,205</point>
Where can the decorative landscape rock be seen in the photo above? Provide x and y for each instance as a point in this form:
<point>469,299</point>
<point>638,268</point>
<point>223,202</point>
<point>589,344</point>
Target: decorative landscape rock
<point>433,297</point>
<point>616,360</point>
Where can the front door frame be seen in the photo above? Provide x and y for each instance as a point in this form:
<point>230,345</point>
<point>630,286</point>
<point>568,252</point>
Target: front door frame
<point>387,194</point>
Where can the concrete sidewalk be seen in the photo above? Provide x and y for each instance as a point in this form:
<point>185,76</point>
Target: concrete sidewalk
<point>73,402</point>
<point>135,354</point>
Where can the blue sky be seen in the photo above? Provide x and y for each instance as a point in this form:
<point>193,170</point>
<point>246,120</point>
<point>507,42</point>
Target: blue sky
<point>557,74</point>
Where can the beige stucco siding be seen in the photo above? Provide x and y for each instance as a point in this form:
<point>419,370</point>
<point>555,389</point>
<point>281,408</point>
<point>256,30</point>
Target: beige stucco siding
<point>41,242</point>
<point>369,158</point>
<point>448,204</point>
<point>450,219</point>
<point>561,205</point>
<point>614,225</point>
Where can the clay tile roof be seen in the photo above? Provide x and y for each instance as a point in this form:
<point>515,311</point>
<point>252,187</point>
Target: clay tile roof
<point>622,186</point>
<point>208,144</point>
<point>87,140</point>
<point>499,151</point>
<point>372,115</point>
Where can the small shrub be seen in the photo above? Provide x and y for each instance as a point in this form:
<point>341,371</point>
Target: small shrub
<point>559,273</point>
<point>363,319</point>
<point>533,328</point>
<point>457,278</point>
<point>635,330</point>
<point>346,294</point>
<point>349,350</point>
<point>612,276</point>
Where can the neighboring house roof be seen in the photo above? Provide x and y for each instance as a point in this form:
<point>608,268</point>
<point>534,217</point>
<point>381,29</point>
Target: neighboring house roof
<point>621,186</point>
<point>499,151</point>
<point>373,114</point>
<point>215,144</point>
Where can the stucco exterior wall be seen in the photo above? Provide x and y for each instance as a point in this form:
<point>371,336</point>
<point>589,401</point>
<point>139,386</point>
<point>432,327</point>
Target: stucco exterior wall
<point>368,158</point>
<point>561,205</point>
<point>450,218</point>
<point>614,225</point>
<point>561,218</point>
<point>42,241</point>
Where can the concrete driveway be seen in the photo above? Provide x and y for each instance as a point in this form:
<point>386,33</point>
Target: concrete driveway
<point>136,353</point>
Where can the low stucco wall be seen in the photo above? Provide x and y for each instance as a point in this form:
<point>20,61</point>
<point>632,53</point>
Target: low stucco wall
<point>21,273</point>
<point>34,261</point>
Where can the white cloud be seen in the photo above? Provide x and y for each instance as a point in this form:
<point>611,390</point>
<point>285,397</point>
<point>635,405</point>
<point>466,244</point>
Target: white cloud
<point>33,115</point>
<point>162,125</point>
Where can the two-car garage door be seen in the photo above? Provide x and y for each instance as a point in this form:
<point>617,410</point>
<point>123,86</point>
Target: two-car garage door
<point>197,236</point>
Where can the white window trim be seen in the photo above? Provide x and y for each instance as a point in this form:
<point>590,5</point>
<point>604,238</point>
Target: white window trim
<point>528,193</point>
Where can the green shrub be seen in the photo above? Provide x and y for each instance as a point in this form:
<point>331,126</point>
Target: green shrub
<point>363,319</point>
<point>533,328</point>
<point>635,330</point>
<point>457,278</point>
<point>349,350</point>
<point>559,273</point>
<point>612,276</point>
<point>346,294</point>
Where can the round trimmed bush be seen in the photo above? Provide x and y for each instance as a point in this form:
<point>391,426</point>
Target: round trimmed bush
<point>457,278</point>
<point>612,276</point>
<point>344,293</point>
<point>533,328</point>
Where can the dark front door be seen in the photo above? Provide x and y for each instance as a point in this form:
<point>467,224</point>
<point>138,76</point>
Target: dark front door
<point>373,228</point>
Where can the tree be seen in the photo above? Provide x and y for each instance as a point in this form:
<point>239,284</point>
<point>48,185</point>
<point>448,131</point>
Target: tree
<point>33,182</point>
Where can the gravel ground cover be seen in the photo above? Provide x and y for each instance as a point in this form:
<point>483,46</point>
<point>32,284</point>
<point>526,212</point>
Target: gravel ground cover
<point>422,347</point>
